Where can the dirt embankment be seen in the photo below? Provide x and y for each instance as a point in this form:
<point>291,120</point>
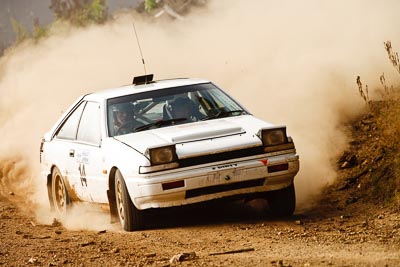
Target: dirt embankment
<point>349,226</point>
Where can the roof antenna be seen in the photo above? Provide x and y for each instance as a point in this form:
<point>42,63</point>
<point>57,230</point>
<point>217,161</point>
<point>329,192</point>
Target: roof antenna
<point>146,78</point>
<point>140,49</point>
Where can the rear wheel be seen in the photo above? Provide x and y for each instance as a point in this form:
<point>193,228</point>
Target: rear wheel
<point>130,217</point>
<point>282,202</point>
<point>60,197</point>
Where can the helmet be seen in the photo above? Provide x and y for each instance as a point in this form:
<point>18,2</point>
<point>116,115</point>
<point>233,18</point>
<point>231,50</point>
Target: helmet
<point>127,107</point>
<point>181,107</point>
<point>122,113</point>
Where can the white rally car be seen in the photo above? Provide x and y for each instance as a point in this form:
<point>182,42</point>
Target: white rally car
<point>158,144</point>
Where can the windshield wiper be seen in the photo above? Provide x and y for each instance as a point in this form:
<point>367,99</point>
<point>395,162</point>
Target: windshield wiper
<point>158,124</point>
<point>224,113</point>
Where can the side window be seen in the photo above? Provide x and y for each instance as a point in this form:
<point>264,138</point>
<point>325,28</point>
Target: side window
<point>70,126</point>
<point>89,126</point>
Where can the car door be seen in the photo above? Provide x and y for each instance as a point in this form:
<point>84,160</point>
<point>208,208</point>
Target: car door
<point>93,180</point>
<point>62,149</point>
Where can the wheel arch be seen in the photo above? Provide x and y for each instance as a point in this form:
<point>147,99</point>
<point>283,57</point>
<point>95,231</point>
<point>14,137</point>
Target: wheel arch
<point>49,181</point>
<point>71,192</point>
<point>111,195</point>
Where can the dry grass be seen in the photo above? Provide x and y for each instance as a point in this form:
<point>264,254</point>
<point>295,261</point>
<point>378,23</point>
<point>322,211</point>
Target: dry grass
<point>382,184</point>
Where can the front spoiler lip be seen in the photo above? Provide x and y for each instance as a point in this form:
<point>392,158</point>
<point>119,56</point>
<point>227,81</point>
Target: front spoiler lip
<point>179,198</point>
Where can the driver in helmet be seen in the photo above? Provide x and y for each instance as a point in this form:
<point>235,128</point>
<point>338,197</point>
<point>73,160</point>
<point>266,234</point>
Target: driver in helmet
<point>123,118</point>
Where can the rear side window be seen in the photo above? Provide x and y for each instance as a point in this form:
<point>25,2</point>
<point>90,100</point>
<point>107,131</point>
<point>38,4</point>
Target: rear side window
<point>69,129</point>
<point>89,126</point>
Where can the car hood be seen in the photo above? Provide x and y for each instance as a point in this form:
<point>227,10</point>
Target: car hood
<point>201,137</point>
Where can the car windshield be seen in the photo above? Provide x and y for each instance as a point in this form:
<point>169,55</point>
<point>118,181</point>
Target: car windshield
<point>167,107</point>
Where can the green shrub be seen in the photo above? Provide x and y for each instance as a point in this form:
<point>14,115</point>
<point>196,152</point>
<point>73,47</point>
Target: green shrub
<point>80,12</point>
<point>149,5</point>
<point>38,31</point>
<point>21,33</point>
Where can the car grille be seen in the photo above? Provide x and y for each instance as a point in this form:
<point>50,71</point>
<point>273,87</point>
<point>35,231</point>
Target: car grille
<point>221,156</point>
<point>223,188</point>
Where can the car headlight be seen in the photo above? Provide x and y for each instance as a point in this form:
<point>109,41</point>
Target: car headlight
<point>273,137</point>
<point>162,155</point>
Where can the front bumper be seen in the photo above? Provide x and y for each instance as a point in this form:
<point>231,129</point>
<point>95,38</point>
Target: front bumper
<point>244,176</point>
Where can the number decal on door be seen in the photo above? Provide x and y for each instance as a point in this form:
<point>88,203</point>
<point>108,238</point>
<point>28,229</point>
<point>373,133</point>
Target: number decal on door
<point>82,174</point>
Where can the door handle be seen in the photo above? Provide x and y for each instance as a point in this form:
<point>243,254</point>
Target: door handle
<point>72,153</point>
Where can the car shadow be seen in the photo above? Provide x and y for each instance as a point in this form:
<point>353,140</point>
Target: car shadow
<point>210,213</point>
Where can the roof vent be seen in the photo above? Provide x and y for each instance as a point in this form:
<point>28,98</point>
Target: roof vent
<point>144,79</point>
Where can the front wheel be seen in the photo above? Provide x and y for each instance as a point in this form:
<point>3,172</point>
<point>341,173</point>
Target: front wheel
<point>60,197</point>
<point>282,202</point>
<point>130,217</point>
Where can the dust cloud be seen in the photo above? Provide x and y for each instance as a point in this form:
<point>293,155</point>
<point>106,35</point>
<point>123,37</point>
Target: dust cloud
<point>289,62</point>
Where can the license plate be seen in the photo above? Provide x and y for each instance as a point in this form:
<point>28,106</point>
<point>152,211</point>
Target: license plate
<point>224,176</point>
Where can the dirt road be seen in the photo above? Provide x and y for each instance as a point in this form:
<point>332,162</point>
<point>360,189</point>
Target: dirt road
<point>345,227</point>
<point>329,235</point>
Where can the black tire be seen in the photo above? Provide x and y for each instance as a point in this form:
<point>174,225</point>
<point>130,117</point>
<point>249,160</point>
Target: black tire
<point>59,193</point>
<point>130,217</point>
<point>282,202</point>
